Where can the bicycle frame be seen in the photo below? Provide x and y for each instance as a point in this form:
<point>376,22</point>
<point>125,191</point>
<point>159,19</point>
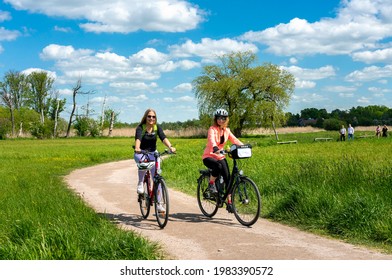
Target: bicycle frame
<point>234,176</point>
<point>155,178</point>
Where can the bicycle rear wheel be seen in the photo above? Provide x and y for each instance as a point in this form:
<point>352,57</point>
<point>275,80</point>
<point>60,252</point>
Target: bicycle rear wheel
<point>161,203</point>
<point>144,202</point>
<point>207,202</point>
<point>246,201</point>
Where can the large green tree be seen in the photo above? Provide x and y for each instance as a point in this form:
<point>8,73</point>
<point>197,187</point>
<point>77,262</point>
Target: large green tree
<point>254,96</point>
<point>41,90</point>
<point>13,90</point>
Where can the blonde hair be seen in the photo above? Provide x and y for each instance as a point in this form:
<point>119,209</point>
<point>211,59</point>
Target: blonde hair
<point>144,119</point>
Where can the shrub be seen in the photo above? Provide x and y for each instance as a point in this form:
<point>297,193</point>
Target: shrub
<point>333,124</point>
<point>5,128</point>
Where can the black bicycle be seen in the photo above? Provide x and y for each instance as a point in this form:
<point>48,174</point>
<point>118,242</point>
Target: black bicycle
<point>245,195</point>
<point>157,194</point>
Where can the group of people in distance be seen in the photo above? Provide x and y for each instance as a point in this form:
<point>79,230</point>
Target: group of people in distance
<point>350,132</point>
<point>148,132</point>
<point>384,131</point>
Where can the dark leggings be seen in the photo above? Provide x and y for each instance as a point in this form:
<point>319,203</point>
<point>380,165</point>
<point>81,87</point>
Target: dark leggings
<point>218,167</point>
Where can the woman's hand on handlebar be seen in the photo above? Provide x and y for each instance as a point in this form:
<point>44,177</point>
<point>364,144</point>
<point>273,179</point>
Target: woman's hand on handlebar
<point>137,150</point>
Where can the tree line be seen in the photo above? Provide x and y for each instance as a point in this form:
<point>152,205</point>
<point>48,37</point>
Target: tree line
<point>29,103</point>
<point>371,115</point>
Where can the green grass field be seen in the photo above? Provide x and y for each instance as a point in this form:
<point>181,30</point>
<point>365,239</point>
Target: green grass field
<point>40,218</point>
<point>340,189</point>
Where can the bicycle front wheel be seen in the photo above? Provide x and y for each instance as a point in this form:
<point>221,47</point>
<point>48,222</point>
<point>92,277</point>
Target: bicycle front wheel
<point>207,202</point>
<point>144,202</point>
<point>246,201</point>
<point>161,203</point>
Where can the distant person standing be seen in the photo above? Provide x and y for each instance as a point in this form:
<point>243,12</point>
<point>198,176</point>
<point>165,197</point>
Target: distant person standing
<point>342,133</point>
<point>385,131</point>
<point>350,132</point>
<point>378,131</point>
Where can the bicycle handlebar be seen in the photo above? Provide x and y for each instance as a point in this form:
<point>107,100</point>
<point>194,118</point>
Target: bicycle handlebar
<point>145,152</point>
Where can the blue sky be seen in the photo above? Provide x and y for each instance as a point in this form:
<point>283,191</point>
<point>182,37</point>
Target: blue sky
<point>136,54</point>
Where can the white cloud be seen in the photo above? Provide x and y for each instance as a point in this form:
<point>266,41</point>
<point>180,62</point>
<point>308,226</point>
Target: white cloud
<point>381,55</point>
<point>184,87</point>
<point>66,92</point>
<point>149,56</point>
<point>364,100</point>
<point>370,74</point>
<point>58,52</point>
<point>4,16</point>
<point>308,98</point>
<point>299,84</point>
<point>109,67</point>
<point>209,49</point>
<point>186,99</point>
<point>120,16</point>
<point>137,86</point>
<point>346,95</point>
<point>358,25</point>
<point>379,91</point>
<point>340,89</point>
<point>8,35</point>
<point>62,29</point>
<point>179,99</point>
<point>293,60</point>
<point>311,74</point>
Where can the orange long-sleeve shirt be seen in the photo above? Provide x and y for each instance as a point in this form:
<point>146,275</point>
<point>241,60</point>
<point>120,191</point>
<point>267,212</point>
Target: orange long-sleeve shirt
<point>214,139</point>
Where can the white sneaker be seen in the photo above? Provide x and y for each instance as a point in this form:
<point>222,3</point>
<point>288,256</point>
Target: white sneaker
<point>160,208</point>
<point>140,189</point>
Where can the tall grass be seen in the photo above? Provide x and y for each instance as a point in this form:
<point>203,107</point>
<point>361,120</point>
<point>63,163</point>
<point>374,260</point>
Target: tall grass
<point>341,189</point>
<point>40,218</point>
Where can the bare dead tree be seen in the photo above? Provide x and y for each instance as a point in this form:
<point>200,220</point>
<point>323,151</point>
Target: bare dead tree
<point>75,91</point>
<point>112,116</point>
<point>103,114</point>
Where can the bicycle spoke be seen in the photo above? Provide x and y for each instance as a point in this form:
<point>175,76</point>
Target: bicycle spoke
<point>207,202</point>
<point>246,202</point>
<point>162,203</point>
<point>144,202</point>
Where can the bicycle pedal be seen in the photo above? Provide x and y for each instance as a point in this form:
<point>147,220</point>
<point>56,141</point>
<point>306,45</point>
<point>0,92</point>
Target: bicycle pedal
<point>229,208</point>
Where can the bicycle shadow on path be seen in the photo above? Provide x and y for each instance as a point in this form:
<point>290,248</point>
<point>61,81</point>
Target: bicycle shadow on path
<point>151,224</point>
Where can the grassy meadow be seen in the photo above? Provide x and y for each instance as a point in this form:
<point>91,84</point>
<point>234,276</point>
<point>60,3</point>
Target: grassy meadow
<point>339,189</point>
<point>40,218</point>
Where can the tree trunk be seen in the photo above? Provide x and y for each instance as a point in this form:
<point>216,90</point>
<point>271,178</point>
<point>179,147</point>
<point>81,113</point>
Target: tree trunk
<point>20,129</point>
<point>103,114</point>
<point>75,91</point>
<point>72,114</point>
<point>56,118</point>
<point>276,133</point>
<point>12,122</point>
<point>111,124</point>
<point>238,132</point>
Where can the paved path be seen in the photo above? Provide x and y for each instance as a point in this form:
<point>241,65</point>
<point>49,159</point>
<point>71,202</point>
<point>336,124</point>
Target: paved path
<point>111,189</point>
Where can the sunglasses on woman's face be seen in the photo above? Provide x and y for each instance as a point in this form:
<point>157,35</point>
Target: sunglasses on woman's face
<point>221,118</point>
<point>151,117</point>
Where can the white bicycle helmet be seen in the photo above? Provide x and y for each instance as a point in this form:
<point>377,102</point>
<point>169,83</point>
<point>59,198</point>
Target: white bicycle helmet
<point>221,113</point>
<point>146,165</point>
